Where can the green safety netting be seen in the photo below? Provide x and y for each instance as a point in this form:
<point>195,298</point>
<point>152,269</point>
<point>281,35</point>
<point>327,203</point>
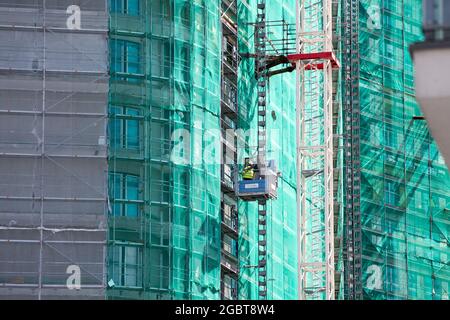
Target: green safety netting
<point>164,225</point>
<point>405,186</point>
<point>164,219</point>
<point>282,219</point>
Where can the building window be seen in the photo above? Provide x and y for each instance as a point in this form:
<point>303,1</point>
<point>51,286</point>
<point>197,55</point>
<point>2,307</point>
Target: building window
<point>160,187</point>
<point>229,288</point>
<point>162,8</point>
<point>160,140</point>
<point>160,58</point>
<point>160,219</point>
<point>126,264</point>
<point>124,128</point>
<point>125,194</point>
<point>229,215</point>
<point>390,138</point>
<point>436,19</point>
<point>159,268</point>
<point>128,7</point>
<point>185,63</point>
<point>125,56</point>
<point>230,52</point>
<point>391,193</point>
<point>230,246</point>
<point>229,94</point>
<point>421,199</point>
<point>446,13</point>
<point>186,14</point>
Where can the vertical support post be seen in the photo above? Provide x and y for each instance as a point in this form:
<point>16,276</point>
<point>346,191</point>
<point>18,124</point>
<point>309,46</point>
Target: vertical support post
<point>262,76</point>
<point>42,147</point>
<point>299,138</point>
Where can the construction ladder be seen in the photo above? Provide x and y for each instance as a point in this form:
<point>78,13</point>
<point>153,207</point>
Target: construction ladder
<point>262,79</point>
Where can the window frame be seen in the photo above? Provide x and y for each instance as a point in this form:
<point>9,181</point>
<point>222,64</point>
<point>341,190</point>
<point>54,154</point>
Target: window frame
<point>122,120</point>
<point>123,7</point>
<point>161,56</point>
<point>120,63</point>
<point>123,192</point>
<point>120,275</point>
<point>392,196</point>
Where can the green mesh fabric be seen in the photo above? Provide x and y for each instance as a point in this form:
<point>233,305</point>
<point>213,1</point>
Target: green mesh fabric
<point>164,235</point>
<point>164,217</point>
<point>282,219</point>
<point>405,186</point>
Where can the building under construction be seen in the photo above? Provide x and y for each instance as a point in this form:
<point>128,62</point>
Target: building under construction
<point>125,126</point>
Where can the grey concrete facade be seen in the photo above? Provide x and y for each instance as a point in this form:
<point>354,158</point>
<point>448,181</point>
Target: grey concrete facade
<point>53,149</point>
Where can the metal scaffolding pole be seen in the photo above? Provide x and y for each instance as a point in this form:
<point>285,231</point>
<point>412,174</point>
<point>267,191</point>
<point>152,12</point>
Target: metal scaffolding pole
<point>52,164</point>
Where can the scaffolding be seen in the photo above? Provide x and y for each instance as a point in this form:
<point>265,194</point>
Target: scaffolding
<point>315,62</point>
<point>267,232</point>
<point>317,105</point>
<point>96,172</point>
<point>165,238</point>
<point>229,112</point>
<point>53,88</point>
<point>405,187</point>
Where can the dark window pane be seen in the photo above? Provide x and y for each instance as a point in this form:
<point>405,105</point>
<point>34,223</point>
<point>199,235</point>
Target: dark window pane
<point>133,130</point>
<point>117,56</point>
<point>447,13</point>
<point>429,12</point>
<point>132,193</point>
<point>133,57</point>
<point>116,6</point>
<point>133,7</point>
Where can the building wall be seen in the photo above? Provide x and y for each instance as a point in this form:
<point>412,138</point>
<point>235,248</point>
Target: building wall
<point>53,97</point>
<point>404,191</point>
<point>170,223</point>
<point>405,187</point>
<point>164,206</point>
<point>167,218</point>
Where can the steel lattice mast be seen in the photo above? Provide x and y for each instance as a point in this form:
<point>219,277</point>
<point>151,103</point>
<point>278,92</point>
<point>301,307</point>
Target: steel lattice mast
<point>315,62</point>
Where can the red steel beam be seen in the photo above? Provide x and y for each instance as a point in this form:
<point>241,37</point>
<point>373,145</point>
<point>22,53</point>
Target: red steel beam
<point>328,55</point>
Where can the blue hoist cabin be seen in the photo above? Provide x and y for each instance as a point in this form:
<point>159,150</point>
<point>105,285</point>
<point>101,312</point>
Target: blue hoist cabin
<point>257,182</point>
